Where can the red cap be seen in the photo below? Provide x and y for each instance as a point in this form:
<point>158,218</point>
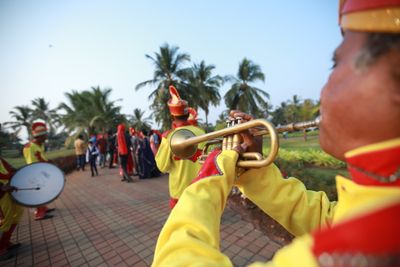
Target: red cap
<point>370,15</point>
<point>39,129</point>
<point>177,106</point>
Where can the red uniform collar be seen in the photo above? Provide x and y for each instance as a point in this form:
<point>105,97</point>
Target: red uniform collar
<point>377,164</point>
<point>374,236</point>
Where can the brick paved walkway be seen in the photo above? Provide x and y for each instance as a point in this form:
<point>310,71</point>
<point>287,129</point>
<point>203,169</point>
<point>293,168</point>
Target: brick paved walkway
<point>101,221</point>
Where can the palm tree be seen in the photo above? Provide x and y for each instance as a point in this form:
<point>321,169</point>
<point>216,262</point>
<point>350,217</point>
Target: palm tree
<point>205,86</point>
<point>42,111</point>
<point>307,110</point>
<point>279,114</point>
<point>22,118</point>
<point>107,113</point>
<point>138,121</point>
<point>169,70</point>
<point>293,109</point>
<point>90,111</point>
<point>76,117</point>
<point>242,95</point>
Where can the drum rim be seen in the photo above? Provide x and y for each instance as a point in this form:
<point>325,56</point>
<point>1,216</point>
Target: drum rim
<point>51,200</point>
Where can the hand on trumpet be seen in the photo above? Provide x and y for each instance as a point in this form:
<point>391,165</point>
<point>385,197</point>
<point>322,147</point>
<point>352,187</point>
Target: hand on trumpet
<point>250,142</point>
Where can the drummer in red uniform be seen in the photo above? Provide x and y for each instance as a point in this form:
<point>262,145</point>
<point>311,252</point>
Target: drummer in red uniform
<point>34,152</point>
<point>360,109</point>
<point>10,211</point>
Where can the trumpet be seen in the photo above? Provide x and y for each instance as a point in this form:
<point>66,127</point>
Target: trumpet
<point>184,143</point>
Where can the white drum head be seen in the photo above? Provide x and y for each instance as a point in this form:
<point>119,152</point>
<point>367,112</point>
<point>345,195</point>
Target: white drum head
<point>39,183</point>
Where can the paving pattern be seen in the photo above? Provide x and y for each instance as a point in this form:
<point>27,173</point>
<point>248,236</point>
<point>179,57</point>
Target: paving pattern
<point>101,221</point>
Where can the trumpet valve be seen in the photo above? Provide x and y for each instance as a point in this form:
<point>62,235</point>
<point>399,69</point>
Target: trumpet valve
<point>237,139</point>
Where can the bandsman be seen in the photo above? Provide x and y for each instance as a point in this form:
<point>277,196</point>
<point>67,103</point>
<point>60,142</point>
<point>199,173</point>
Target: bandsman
<point>34,152</point>
<point>360,109</point>
<point>181,171</point>
<point>10,212</point>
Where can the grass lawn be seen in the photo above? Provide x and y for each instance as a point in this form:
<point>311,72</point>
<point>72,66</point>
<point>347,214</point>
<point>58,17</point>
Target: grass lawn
<point>298,143</point>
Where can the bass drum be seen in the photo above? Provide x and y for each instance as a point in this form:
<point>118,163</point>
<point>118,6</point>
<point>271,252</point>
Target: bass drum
<point>38,183</point>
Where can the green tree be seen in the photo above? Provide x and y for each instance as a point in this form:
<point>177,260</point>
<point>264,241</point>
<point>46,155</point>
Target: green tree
<point>205,86</point>
<point>90,111</point>
<point>242,95</point>
<point>278,115</point>
<point>8,140</point>
<point>292,112</point>
<point>107,113</point>
<point>307,110</point>
<point>41,110</point>
<point>138,121</point>
<point>22,119</point>
<point>221,121</point>
<point>169,70</point>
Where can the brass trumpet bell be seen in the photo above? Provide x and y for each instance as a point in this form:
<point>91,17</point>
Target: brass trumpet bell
<point>178,145</point>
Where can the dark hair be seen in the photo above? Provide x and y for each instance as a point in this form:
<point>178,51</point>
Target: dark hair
<point>377,45</point>
<point>145,132</point>
<point>80,136</point>
<point>182,117</point>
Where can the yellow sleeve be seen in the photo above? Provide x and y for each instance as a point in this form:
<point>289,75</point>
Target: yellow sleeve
<point>163,156</point>
<point>287,200</point>
<point>298,253</point>
<point>191,234</point>
<point>11,210</point>
<point>34,153</point>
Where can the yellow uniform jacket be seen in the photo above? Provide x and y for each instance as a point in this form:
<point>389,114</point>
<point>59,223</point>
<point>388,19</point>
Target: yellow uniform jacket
<point>191,234</point>
<point>11,211</point>
<point>181,171</point>
<point>34,153</point>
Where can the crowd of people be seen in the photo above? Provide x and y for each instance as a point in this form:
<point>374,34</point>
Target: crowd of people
<point>132,150</point>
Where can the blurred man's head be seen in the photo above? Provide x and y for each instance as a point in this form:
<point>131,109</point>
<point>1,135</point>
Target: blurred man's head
<point>360,103</point>
<point>39,132</point>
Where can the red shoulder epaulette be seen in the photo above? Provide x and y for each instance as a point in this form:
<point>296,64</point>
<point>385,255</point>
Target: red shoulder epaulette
<point>373,235</point>
<point>166,133</point>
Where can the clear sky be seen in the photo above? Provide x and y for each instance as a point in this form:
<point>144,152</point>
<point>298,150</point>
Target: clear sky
<point>51,47</point>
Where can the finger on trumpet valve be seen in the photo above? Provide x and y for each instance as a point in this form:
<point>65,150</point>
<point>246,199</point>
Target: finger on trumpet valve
<point>225,138</point>
<point>224,143</point>
<point>237,139</point>
<point>229,138</point>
